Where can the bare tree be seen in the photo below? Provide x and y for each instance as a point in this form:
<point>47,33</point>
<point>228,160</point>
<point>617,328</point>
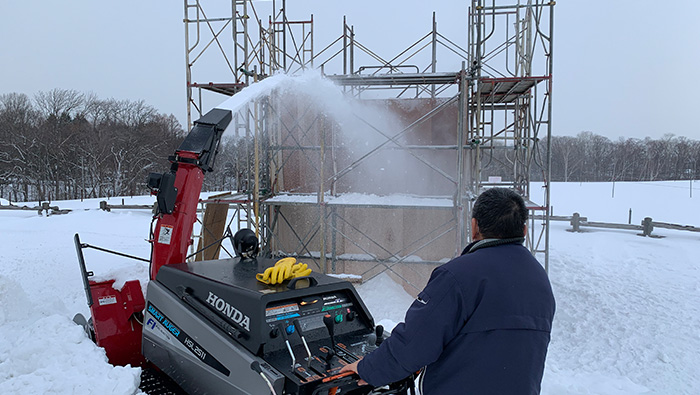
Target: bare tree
<point>567,157</point>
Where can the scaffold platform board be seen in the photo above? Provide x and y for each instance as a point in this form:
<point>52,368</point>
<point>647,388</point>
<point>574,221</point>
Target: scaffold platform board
<point>230,198</point>
<point>363,200</point>
<point>506,90</point>
<point>228,89</point>
<point>397,79</point>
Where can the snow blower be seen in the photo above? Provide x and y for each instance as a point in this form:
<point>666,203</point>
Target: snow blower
<point>243,325</point>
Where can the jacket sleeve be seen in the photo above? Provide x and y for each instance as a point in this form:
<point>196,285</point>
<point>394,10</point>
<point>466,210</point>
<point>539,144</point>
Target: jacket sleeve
<point>433,319</point>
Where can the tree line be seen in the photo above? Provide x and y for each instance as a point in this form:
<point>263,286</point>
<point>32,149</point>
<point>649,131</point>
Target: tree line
<point>63,144</point>
<point>591,157</point>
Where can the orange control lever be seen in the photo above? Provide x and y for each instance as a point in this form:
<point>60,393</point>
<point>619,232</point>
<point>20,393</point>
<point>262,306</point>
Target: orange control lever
<point>337,376</point>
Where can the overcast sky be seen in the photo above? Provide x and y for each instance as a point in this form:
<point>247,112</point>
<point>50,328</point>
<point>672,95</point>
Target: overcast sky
<point>622,68</point>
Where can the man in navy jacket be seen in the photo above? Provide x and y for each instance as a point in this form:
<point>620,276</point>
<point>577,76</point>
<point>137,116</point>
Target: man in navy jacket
<point>482,324</point>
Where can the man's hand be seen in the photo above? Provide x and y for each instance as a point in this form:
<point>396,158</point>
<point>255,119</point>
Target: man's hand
<point>353,368</point>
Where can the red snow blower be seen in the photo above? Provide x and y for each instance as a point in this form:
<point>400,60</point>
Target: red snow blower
<point>213,326</point>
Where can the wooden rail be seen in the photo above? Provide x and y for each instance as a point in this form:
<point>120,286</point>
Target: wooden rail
<point>666,225</point>
<point>647,226</point>
<point>109,207</point>
<point>104,206</point>
<point>42,207</point>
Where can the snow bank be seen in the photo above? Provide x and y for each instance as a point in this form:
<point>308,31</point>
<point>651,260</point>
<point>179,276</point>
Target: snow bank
<point>386,300</point>
<point>43,351</point>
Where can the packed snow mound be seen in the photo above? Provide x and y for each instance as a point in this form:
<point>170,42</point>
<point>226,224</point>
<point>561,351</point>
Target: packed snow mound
<point>13,301</point>
<point>386,300</point>
<point>43,352</point>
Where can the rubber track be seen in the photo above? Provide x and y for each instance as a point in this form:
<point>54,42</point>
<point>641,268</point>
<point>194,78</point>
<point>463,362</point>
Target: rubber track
<point>154,382</point>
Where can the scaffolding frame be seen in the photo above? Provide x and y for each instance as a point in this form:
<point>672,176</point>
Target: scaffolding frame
<point>509,73</point>
<point>500,106</point>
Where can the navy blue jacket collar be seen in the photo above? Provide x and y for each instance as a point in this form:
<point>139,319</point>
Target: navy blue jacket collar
<point>475,245</point>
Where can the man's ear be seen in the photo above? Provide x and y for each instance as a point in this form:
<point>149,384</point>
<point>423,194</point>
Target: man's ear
<point>525,230</point>
<point>476,235</point>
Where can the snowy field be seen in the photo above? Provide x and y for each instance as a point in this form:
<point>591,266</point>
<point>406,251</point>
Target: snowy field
<point>628,307</point>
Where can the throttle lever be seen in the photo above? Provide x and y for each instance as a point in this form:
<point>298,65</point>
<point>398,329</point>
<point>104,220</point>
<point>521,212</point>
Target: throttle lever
<point>303,340</point>
<point>289,346</point>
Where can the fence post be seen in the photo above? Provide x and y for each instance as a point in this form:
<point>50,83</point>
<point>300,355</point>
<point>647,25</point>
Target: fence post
<point>647,227</point>
<point>576,222</point>
<point>46,206</point>
<point>629,221</point>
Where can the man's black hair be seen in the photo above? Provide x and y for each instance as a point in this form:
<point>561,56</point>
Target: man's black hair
<point>500,214</point>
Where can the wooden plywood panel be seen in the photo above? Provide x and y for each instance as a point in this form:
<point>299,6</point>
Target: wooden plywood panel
<point>213,227</point>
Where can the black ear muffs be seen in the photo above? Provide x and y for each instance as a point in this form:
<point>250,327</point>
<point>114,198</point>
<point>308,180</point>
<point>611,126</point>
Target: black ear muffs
<point>245,243</point>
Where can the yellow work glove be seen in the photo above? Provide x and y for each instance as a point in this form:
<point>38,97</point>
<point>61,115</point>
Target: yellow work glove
<point>276,274</point>
<point>300,270</point>
<point>284,269</point>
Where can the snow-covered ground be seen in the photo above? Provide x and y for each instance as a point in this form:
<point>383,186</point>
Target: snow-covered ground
<point>628,307</point>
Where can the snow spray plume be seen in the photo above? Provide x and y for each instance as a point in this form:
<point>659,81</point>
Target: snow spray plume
<point>361,136</point>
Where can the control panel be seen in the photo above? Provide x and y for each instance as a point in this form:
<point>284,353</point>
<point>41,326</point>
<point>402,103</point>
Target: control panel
<point>316,336</point>
<point>309,312</point>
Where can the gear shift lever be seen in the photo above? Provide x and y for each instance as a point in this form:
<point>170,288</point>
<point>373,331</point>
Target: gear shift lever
<point>379,330</point>
<point>330,323</point>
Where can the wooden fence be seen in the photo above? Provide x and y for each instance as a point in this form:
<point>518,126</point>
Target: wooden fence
<point>647,226</point>
<point>576,220</point>
<point>43,208</point>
